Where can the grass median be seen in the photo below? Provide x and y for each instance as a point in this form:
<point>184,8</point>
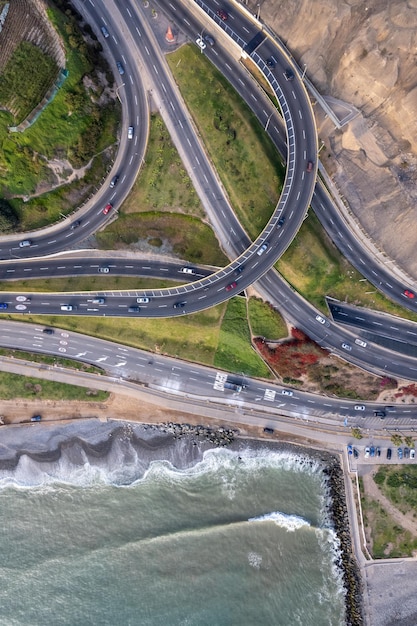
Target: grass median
<point>27,387</point>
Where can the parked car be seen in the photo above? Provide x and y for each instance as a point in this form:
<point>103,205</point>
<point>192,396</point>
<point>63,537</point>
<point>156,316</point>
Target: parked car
<point>355,453</point>
<point>406,453</point>
<point>400,453</point>
<point>412,453</point>
<point>350,449</point>
<point>389,453</point>
<point>378,451</point>
<point>367,452</point>
<point>372,451</point>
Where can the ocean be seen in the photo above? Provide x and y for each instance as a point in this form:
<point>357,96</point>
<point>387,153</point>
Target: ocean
<point>211,537</point>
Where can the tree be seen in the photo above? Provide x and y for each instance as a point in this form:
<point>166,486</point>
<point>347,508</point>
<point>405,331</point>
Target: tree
<point>409,441</point>
<point>396,440</point>
<point>8,218</point>
<point>356,432</point>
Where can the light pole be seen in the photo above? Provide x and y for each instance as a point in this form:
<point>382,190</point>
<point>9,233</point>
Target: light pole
<point>117,92</point>
<point>258,11</point>
<point>268,120</point>
<point>304,71</point>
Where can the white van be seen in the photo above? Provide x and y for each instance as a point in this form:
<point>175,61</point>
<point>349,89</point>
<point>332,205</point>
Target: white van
<point>66,307</point>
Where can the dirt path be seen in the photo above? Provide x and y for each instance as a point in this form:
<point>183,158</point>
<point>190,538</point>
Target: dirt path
<point>372,490</point>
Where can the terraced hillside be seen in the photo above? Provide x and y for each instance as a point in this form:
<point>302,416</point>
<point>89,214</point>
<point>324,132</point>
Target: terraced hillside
<point>31,54</point>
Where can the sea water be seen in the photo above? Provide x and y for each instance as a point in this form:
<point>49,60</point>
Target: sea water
<point>237,538</point>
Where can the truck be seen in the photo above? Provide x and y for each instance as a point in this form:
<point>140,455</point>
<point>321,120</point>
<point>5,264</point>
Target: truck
<point>233,386</point>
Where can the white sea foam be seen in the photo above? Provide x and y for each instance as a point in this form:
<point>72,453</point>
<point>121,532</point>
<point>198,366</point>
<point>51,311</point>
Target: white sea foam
<point>289,522</point>
<point>255,560</point>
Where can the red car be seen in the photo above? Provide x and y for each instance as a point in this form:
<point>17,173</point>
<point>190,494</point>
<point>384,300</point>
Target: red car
<point>231,286</point>
<point>107,208</point>
<point>222,14</point>
<point>408,294</point>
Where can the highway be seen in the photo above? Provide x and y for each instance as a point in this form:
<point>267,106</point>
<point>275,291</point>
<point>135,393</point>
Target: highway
<point>250,266</point>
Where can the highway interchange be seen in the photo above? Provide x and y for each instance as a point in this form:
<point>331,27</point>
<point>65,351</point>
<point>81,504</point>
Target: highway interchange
<point>131,41</point>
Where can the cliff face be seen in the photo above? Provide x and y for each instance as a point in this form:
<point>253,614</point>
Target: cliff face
<point>365,53</point>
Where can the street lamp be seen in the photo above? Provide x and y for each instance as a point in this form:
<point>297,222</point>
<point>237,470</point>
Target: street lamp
<point>117,92</point>
<point>268,120</point>
<point>304,71</point>
<point>258,11</point>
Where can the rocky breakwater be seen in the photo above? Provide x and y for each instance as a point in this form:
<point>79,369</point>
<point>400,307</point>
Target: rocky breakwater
<point>347,562</point>
<point>217,436</point>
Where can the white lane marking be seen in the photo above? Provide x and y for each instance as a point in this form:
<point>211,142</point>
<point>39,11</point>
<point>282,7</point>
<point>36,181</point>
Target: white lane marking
<point>269,395</point>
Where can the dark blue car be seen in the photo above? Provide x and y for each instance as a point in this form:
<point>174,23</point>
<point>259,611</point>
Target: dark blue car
<point>372,451</point>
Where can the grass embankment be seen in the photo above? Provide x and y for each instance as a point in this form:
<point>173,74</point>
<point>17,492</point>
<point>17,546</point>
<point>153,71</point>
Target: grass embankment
<point>71,127</point>
<point>386,539</point>
<point>242,153</point>
<point>265,321</point>
<point>13,386</point>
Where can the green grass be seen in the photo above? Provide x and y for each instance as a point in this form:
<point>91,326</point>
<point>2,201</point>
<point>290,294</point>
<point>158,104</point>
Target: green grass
<point>234,352</point>
<point>14,386</point>
<point>188,237</point>
<point>85,283</point>
<point>388,539</point>
<point>399,484</point>
<point>265,321</point>
<point>245,158</point>
<point>50,360</point>
<point>315,268</point>
<point>163,183</point>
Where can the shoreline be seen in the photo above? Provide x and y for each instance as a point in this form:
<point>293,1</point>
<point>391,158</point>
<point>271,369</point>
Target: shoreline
<point>184,445</point>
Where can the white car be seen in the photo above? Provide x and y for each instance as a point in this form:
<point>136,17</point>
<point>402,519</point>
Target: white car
<point>320,319</point>
<point>187,270</point>
<point>130,131</point>
<point>287,392</point>
<point>367,451</point>
<point>360,407</point>
<point>359,342</point>
<point>103,270</point>
<point>200,43</point>
<point>142,300</point>
<point>262,248</point>
<point>412,453</point>
<point>347,347</point>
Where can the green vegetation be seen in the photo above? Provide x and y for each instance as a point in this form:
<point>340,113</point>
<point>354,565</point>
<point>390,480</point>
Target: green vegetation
<point>315,268</point>
<point>399,484</point>
<point>50,360</point>
<point>387,538</point>
<point>265,321</point>
<point>163,184</point>
<point>84,283</point>
<point>234,351</point>
<point>356,433</point>
<point>26,78</point>
<point>396,440</point>
<point>14,386</point>
<point>242,153</point>
<point>71,127</point>
<point>188,237</point>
